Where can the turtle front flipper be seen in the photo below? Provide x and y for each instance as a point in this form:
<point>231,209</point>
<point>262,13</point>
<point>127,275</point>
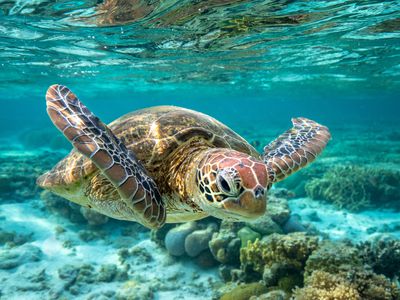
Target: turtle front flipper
<point>94,139</point>
<point>295,148</point>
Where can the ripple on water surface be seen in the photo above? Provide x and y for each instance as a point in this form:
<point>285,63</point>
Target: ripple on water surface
<point>245,44</point>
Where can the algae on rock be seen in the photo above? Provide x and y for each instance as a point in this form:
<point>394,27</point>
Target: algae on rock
<point>247,235</point>
<point>245,291</point>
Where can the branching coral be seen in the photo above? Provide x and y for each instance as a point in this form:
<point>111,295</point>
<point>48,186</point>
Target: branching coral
<point>372,286</point>
<point>352,285</point>
<point>382,255</point>
<point>324,286</point>
<point>337,271</point>
<point>356,188</point>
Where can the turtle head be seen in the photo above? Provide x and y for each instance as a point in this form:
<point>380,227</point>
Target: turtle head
<point>232,185</point>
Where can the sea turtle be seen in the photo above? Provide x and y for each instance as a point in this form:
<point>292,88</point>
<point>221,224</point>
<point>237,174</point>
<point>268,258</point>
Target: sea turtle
<point>170,164</point>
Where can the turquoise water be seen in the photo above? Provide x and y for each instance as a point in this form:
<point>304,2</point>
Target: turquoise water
<point>253,65</point>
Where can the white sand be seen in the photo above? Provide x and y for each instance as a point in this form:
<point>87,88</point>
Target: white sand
<point>340,224</point>
<point>168,277</point>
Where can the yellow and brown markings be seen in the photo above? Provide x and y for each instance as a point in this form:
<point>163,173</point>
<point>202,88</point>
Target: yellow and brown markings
<point>101,189</point>
<point>295,148</point>
<point>69,171</point>
<point>154,133</point>
<point>174,181</point>
<point>96,141</point>
<point>160,137</point>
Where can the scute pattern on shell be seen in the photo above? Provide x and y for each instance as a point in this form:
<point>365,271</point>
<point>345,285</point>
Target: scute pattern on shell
<point>154,133</point>
<point>157,136</point>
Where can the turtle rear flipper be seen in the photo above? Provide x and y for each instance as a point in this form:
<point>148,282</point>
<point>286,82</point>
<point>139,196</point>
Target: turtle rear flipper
<point>94,139</point>
<point>295,148</point>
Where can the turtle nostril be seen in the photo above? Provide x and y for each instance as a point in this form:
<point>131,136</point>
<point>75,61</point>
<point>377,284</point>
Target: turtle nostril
<point>259,192</point>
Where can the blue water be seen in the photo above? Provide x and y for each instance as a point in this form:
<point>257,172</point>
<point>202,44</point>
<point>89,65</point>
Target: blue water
<point>251,64</point>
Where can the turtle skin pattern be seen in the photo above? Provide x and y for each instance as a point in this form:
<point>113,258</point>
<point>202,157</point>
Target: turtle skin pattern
<point>295,148</point>
<point>92,138</point>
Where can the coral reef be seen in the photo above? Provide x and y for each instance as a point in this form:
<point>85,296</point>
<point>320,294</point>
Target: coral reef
<point>322,285</point>
<point>383,255</point>
<point>337,271</point>
<point>277,206</point>
<point>264,225</point>
<point>197,241</point>
<point>134,290</point>
<point>175,238</point>
<point>18,173</point>
<point>329,270</point>
<point>110,272</point>
<point>277,256</point>
<point>372,286</point>
<point>12,238</point>
<point>333,257</point>
<point>357,187</point>
<point>247,235</point>
<point>190,239</point>
<point>91,235</point>
<point>10,259</point>
<point>225,244</point>
<point>206,260</point>
<point>158,235</point>
<point>294,224</point>
<point>354,284</point>
<point>76,278</point>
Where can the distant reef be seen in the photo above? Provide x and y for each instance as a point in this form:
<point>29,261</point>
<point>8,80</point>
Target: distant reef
<point>357,188</point>
<point>19,169</point>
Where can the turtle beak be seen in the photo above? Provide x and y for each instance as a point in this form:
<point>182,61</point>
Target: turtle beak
<point>250,204</point>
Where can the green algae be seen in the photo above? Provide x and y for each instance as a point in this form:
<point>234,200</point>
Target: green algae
<point>245,291</point>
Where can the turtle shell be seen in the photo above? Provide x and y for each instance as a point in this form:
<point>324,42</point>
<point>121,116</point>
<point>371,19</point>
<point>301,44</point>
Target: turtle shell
<point>153,134</point>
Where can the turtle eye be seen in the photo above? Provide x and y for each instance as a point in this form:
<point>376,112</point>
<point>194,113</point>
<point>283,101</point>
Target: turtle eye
<point>225,185</point>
